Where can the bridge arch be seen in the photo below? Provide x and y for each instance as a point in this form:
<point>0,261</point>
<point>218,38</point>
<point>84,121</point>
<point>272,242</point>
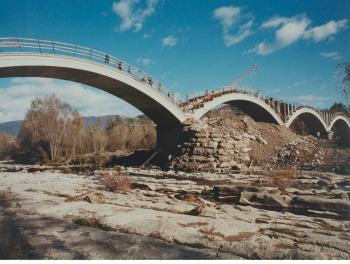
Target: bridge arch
<point>311,118</point>
<point>148,100</point>
<point>340,126</point>
<point>253,106</point>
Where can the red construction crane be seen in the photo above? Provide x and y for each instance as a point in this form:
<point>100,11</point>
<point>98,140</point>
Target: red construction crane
<point>236,83</point>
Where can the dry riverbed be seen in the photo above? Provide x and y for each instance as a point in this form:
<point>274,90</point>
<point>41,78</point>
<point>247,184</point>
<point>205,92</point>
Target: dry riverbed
<point>57,214</point>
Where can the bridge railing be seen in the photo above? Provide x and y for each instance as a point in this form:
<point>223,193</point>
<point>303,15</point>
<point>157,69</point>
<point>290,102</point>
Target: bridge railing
<point>55,47</point>
<point>283,108</point>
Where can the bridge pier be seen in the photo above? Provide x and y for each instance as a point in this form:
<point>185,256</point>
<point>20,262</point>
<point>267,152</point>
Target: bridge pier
<point>330,135</point>
<point>167,140</point>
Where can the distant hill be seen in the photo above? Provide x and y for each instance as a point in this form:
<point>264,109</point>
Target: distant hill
<point>13,127</point>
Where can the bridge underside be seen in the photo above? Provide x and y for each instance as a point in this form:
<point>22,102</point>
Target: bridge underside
<point>341,133</point>
<point>150,107</point>
<point>255,111</point>
<point>308,124</point>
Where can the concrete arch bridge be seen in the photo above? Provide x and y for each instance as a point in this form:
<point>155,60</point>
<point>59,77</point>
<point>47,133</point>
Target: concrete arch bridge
<point>22,57</point>
<point>319,123</point>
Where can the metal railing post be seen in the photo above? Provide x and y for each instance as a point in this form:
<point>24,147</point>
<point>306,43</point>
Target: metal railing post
<point>40,46</point>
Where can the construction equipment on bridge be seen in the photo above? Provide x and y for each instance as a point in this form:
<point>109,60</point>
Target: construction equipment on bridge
<point>199,101</point>
<point>252,68</point>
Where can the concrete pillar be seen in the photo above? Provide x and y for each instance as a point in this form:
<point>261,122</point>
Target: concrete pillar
<point>330,135</point>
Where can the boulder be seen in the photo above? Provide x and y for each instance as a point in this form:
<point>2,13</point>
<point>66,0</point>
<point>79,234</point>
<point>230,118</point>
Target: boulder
<point>321,204</point>
<point>228,190</point>
<point>265,199</point>
<point>261,140</point>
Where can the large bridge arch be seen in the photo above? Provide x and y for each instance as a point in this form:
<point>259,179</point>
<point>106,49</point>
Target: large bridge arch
<point>340,126</point>
<point>253,106</point>
<point>311,118</point>
<point>145,98</point>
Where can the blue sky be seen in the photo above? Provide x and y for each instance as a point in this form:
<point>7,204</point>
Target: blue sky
<point>190,45</point>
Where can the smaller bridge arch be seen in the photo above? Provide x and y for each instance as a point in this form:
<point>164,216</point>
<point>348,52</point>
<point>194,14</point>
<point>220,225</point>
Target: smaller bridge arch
<point>340,128</point>
<point>311,118</point>
<point>337,118</point>
<point>253,106</point>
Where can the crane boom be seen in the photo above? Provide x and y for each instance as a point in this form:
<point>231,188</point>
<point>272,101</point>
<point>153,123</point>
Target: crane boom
<point>237,82</point>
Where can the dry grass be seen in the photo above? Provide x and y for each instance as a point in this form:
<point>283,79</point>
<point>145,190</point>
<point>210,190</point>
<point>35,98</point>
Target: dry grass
<point>284,246</point>
<point>116,182</point>
<point>284,178</point>
<point>188,197</point>
<point>241,236</point>
<point>90,197</point>
<point>261,221</point>
<point>6,197</point>
<point>88,220</point>
<point>193,224</point>
<point>210,232</point>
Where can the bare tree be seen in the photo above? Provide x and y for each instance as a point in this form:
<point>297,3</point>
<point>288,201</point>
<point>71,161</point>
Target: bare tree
<point>46,124</point>
<point>131,133</point>
<point>344,74</point>
<point>7,145</point>
<point>98,137</point>
<point>73,138</point>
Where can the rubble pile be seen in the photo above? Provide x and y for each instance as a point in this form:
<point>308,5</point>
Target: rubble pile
<point>237,143</point>
<point>213,145</point>
<point>303,151</point>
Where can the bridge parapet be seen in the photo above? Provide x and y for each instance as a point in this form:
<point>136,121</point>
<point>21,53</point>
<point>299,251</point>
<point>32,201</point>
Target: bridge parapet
<point>24,45</point>
<point>285,110</point>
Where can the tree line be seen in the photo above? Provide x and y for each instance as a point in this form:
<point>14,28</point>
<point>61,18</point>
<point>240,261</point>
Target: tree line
<point>53,131</point>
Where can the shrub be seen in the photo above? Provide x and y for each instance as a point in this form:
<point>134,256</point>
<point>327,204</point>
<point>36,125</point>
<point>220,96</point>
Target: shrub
<point>116,182</point>
<point>8,146</point>
<point>6,198</point>
<point>88,220</point>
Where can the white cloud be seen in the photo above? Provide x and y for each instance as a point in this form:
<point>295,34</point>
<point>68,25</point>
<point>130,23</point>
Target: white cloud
<point>169,41</point>
<point>325,31</point>
<point>289,31</point>
<point>227,15</point>
<point>16,98</point>
<point>312,98</point>
<point>229,18</point>
<point>293,29</point>
<point>132,13</point>
<point>144,61</point>
<point>331,55</point>
<point>274,22</point>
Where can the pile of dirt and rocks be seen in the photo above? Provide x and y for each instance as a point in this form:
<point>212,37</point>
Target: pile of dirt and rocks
<point>236,143</point>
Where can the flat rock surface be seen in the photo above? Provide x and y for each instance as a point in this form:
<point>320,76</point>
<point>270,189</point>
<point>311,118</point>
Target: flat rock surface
<point>176,212</point>
<point>38,237</point>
